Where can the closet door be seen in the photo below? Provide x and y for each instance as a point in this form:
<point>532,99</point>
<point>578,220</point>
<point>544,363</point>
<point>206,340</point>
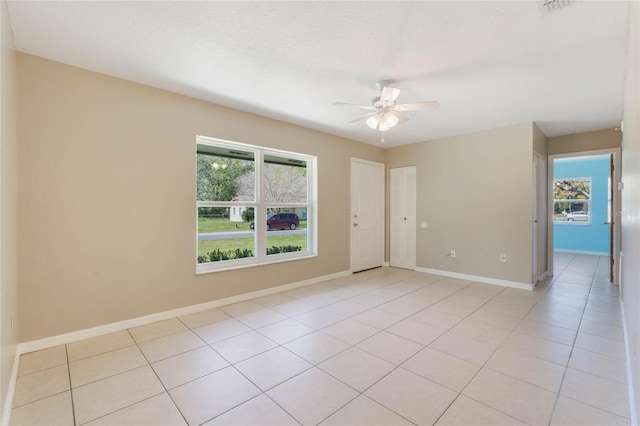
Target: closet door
<point>403,217</point>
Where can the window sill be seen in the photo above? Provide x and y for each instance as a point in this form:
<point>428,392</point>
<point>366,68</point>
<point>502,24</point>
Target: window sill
<point>208,268</point>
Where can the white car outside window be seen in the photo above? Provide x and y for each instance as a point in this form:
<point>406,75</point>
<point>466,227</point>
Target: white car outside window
<point>579,215</point>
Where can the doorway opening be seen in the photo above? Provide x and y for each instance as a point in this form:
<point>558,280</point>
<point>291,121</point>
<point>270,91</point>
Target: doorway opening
<point>583,206</point>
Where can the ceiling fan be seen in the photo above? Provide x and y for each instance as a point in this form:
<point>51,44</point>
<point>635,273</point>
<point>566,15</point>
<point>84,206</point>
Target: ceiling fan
<point>385,112</point>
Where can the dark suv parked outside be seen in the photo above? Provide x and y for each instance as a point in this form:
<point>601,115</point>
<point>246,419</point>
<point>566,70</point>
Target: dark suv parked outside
<point>280,221</point>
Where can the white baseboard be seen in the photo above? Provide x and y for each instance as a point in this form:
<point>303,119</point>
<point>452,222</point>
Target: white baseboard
<point>8,398</point>
<point>74,336</point>
<point>594,253</point>
<point>633,414</point>
<point>487,280</point>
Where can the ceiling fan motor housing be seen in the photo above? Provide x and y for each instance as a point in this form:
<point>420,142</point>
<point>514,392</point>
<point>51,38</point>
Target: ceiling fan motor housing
<point>380,104</point>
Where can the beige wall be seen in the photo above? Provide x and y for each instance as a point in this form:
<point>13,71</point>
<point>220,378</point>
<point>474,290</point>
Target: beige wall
<point>630,217</point>
<point>588,141</point>
<point>8,202</point>
<point>540,141</point>
<point>107,199</point>
<point>474,191</point>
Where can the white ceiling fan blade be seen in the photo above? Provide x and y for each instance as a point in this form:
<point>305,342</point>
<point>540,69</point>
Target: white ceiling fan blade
<point>353,105</point>
<point>389,95</point>
<point>401,118</point>
<point>362,117</point>
<point>418,106</point>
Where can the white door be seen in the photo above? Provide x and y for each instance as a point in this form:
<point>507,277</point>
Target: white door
<point>403,217</point>
<point>535,226</point>
<point>367,215</point>
<point>540,226</point>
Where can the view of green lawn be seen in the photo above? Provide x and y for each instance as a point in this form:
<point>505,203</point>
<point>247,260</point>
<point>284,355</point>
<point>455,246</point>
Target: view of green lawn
<point>206,246</point>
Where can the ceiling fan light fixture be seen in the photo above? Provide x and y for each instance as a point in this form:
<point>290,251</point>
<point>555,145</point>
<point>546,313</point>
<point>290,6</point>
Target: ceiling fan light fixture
<point>373,121</point>
<point>384,126</point>
<point>391,119</point>
<point>383,121</point>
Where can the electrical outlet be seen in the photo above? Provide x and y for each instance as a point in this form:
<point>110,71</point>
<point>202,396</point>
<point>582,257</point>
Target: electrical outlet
<point>503,257</point>
<point>483,255</point>
<point>452,253</point>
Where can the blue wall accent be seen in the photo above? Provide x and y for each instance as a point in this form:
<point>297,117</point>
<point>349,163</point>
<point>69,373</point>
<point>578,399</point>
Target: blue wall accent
<point>582,237</point>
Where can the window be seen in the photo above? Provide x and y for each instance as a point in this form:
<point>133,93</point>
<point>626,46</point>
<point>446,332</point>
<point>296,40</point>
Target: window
<point>238,183</point>
<point>572,200</point>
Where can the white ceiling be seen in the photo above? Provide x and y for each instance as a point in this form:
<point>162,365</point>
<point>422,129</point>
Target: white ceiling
<point>490,64</point>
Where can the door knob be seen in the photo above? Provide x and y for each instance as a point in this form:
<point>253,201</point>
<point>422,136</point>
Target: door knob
<point>355,224</point>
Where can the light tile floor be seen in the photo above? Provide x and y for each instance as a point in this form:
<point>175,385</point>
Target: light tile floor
<point>383,347</point>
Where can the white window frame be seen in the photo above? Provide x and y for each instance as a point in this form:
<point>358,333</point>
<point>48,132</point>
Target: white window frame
<point>260,209</point>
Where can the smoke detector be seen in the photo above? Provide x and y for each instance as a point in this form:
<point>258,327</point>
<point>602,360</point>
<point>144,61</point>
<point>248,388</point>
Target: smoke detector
<point>547,6</point>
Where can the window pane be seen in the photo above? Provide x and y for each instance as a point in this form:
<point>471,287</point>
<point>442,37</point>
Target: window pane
<point>571,211</point>
<point>285,180</point>
<point>572,189</point>
<point>224,233</point>
<point>287,231</point>
<point>225,174</point>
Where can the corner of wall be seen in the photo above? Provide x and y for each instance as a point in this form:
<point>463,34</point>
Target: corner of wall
<point>8,215</point>
<point>540,141</point>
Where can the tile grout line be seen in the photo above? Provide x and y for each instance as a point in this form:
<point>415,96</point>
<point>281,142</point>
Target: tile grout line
<point>232,365</point>
<point>127,371</point>
<point>166,391</point>
<point>47,396</point>
<point>73,409</point>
